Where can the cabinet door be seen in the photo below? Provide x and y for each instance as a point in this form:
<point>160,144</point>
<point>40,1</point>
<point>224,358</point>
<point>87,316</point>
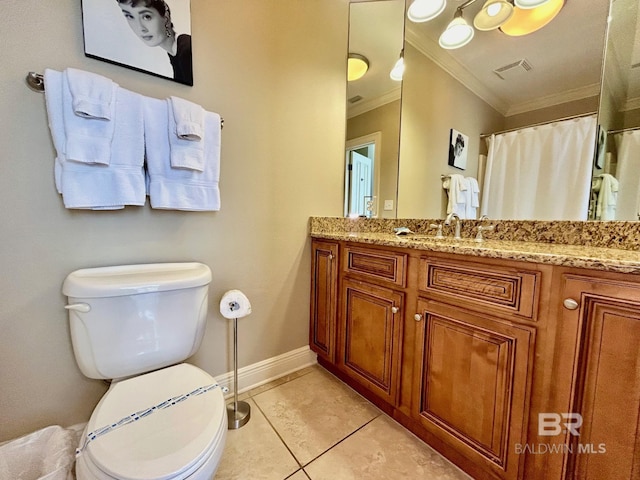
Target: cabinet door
<point>324,290</point>
<point>371,328</point>
<point>608,378</point>
<point>472,375</point>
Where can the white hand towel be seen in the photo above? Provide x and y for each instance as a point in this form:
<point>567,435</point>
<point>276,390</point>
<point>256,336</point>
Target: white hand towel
<point>177,188</point>
<point>88,139</point>
<point>122,182</point>
<point>53,101</point>
<point>472,202</point>
<point>187,149</point>
<point>188,118</point>
<point>93,96</point>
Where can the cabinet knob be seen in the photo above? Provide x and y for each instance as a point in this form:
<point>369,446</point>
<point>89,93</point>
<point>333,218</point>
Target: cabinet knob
<point>331,256</point>
<point>395,310</point>
<point>570,304</point>
<point>417,317</point>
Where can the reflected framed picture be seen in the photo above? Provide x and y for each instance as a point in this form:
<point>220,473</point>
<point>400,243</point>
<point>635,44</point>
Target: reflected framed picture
<point>601,147</point>
<point>150,36</point>
<point>458,148</point>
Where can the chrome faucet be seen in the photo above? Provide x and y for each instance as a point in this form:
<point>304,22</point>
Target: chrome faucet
<point>447,221</point>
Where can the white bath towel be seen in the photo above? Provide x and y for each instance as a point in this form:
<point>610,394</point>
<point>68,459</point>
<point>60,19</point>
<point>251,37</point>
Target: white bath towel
<point>187,149</point>
<point>607,197</point>
<point>53,100</point>
<point>88,139</point>
<point>93,96</point>
<point>456,186</point>
<point>94,186</point>
<point>179,188</point>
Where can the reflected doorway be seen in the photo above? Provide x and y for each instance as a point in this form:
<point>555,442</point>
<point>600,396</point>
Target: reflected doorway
<point>362,176</point>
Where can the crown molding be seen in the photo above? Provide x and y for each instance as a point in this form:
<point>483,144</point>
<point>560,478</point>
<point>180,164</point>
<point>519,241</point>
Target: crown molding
<point>433,51</point>
<point>368,105</point>
<point>555,99</point>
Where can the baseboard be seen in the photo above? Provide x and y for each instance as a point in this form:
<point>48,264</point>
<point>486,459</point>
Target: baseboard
<point>253,376</point>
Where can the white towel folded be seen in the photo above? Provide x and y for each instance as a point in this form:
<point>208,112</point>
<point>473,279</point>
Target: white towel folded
<point>95,186</point>
<point>179,188</point>
<point>88,139</point>
<point>53,100</point>
<point>93,96</point>
<point>456,186</point>
<point>607,197</point>
<point>472,202</point>
<point>186,135</point>
<point>188,118</point>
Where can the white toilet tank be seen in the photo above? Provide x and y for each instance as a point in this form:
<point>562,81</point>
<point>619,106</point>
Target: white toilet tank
<point>133,319</point>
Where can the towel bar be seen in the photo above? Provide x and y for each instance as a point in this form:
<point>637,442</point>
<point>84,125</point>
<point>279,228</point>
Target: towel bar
<point>35,81</point>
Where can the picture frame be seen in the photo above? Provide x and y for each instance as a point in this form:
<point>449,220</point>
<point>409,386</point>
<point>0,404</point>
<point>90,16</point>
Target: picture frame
<point>601,148</point>
<point>149,36</point>
<point>458,149</point>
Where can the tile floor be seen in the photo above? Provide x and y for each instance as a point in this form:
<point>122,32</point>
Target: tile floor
<point>311,426</point>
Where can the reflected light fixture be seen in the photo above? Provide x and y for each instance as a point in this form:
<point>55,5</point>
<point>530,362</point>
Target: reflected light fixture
<point>525,21</point>
<point>357,66</point>
<point>525,17</point>
<point>398,69</point>
<point>458,32</point>
<point>424,10</point>
<point>494,13</point>
<point>528,4</point>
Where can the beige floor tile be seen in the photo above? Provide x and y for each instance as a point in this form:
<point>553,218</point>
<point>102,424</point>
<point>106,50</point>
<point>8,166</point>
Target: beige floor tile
<point>282,380</point>
<point>299,475</point>
<point>255,452</point>
<point>383,450</point>
<point>313,412</point>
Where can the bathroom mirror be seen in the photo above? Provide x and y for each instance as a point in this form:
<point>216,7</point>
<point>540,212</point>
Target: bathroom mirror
<point>494,83</point>
<point>616,178</point>
<point>376,36</point>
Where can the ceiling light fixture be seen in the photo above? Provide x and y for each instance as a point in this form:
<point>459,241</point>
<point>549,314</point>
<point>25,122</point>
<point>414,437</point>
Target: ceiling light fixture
<point>398,69</point>
<point>458,32</point>
<point>357,66</point>
<point>525,17</point>
<point>424,10</point>
<point>494,13</point>
<point>524,22</point>
<point>528,4</point>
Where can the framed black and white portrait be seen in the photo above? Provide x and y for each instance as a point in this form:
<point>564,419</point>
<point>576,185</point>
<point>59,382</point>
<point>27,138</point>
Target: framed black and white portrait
<point>458,148</point>
<point>601,149</point>
<point>151,36</point>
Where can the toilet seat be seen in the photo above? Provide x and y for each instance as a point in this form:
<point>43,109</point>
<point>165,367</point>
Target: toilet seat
<point>171,443</point>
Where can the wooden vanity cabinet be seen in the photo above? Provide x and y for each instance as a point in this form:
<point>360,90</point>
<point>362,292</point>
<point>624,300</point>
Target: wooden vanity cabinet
<point>324,294</point>
<point>469,352</point>
<point>603,312</point>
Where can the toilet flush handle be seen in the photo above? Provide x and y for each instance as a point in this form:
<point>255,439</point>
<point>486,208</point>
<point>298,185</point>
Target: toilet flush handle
<point>79,307</point>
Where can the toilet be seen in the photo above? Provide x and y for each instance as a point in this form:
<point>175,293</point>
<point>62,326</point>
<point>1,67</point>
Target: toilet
<point>161,419</point>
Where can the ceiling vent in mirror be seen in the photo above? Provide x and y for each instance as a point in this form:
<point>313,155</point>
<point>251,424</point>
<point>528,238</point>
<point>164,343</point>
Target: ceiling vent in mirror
<point>507,72</point>
<point>355,99</point>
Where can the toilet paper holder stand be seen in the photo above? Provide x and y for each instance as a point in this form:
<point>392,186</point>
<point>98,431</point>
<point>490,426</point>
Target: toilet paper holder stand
<point>238,411</point>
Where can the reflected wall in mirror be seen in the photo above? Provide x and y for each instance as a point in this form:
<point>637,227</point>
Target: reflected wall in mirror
<point>376,32</point>
<point>496,83</point>
<point>615,191</point>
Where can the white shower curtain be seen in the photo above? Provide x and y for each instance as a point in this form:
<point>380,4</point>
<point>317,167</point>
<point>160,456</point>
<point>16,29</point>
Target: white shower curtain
<point>628,175</point>
<point>540,173</point>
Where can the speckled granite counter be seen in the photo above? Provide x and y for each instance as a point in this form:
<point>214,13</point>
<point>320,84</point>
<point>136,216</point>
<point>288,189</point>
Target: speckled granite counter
<point>539,251</point>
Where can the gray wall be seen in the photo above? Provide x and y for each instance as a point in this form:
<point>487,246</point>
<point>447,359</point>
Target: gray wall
<point>275,70</point>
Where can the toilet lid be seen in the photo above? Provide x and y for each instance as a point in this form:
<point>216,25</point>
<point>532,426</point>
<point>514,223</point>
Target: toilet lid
<point>168,441</point>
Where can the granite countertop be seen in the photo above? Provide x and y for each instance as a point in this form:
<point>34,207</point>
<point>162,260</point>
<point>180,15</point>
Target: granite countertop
<point>579,256</point>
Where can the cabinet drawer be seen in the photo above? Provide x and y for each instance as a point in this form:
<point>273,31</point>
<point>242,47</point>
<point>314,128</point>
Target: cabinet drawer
<point>499,288</point>
<point>382,265</point>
